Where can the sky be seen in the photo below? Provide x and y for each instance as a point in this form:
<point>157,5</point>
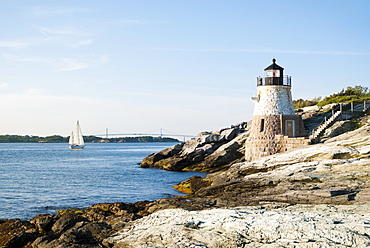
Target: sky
<point>136,66</point>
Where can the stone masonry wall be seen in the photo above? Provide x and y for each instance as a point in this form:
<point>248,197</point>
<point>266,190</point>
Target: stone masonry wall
<point>267,136</point>
<point>257,148</point>
<point>271,126</point>
<point>266,127</point>
<point>273,100</point>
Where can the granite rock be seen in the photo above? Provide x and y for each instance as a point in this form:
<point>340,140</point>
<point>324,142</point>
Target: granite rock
<point>211,151</point>
<point>270,225</point>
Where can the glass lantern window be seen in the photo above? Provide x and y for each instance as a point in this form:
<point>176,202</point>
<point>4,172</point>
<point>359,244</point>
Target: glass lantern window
<point>273,73</point>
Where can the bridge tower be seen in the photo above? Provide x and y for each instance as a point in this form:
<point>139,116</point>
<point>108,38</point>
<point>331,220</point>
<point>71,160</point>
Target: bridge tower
<point>275,126</point>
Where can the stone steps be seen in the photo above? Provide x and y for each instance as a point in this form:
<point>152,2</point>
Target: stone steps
<point>325,125</point>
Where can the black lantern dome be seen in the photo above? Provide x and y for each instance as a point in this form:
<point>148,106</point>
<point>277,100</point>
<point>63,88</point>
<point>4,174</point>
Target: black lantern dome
<point>274,66</point>
<point>274,75</point>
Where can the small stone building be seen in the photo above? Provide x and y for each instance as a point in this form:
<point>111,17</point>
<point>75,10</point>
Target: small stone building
<point>275,126</point>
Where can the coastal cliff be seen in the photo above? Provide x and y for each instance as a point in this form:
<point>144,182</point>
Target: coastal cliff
<point>313,196</point>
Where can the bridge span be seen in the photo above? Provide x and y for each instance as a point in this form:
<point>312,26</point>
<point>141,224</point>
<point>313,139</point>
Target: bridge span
<point>160,134</point>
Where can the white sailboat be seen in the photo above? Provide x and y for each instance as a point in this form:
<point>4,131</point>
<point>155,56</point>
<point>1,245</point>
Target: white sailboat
<point>76,141</point>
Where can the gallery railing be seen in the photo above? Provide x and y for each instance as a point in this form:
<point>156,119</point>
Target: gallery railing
<point>285,80</point>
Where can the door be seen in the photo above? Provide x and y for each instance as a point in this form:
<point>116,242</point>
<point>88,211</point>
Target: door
<point>289,128</point>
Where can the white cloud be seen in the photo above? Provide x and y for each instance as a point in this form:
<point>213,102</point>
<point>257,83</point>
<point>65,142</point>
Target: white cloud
<point>14,44</point>
<point>57,64</point>
<point>81,43</point>
<point>28,59</point>
<point>57,31</point>
<point>71,64</point>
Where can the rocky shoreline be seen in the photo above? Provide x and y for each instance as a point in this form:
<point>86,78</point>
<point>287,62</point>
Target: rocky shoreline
<point>313,196</point>
<point>270,225</point>
<point>133,225</point>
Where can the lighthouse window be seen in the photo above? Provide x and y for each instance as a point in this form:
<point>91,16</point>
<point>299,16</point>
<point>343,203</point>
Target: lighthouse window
<point>262,127</point>
<point>273,73</point>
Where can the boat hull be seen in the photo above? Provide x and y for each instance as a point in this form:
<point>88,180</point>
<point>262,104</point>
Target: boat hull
<point>76,147</point>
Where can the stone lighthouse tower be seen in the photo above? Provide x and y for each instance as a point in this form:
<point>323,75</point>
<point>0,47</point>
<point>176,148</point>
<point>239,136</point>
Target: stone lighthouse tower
<point>275,127</point>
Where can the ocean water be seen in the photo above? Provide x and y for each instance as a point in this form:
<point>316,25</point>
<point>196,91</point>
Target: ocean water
<point>41,178</point>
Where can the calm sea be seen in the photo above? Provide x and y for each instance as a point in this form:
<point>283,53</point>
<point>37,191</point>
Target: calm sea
<point>42,178</point>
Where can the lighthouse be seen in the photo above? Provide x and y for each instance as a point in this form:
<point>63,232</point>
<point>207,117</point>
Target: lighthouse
<point>275,126</point>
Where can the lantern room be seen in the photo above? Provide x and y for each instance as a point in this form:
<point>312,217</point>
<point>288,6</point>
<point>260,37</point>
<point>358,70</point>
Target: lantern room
<point>274,75</point>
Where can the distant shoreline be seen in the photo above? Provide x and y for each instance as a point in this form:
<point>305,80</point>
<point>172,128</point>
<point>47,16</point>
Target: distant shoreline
<point>88,139</point>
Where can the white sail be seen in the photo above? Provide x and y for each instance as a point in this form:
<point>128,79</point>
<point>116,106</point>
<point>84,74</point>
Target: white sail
<point>71,139</point>
<point>76,140</point>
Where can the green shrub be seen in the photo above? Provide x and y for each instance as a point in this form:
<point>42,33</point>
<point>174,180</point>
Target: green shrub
<point>300,103</point>
<point>337,99</point>
<point>349,94</point>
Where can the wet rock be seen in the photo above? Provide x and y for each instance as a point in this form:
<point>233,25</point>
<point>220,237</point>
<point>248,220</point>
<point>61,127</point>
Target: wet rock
<point>67,221</point>
<point>80,228</point>
<point>191,185</point>
<point>44,222</point>
<point>17,233</point>
<point>86,233</point>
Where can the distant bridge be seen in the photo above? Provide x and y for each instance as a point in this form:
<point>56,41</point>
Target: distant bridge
<point>160,134</point>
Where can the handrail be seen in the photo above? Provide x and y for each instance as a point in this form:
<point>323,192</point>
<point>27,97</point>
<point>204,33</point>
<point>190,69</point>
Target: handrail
<point>340,112</point>
<point>335,110</point>
<point>287,81</point>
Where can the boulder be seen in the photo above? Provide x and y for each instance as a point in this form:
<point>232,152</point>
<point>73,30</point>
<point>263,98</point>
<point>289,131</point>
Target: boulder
<point>80,228</point>
<point>189,147</point>
<point>150,160</point>
<point>191,185</point>
<point>211,151</point>
<point>224,156</point>
<point>85,233</point>
<point>67,221</point>
<point>211,138</point>
<point>228,134</point>
<point>44,222</point>
<point>17,233</point>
